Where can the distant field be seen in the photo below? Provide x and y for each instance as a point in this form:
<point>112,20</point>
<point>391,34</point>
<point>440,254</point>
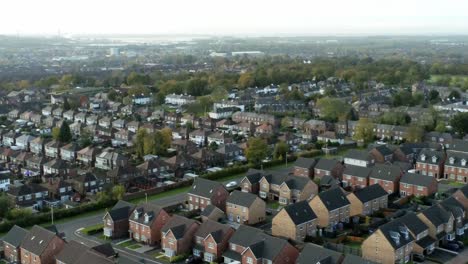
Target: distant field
<point>454,80</point>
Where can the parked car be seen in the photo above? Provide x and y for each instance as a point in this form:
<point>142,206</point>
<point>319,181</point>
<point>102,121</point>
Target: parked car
<point>458,243</point>
<point>451,246</point>
<point>419,258</point>
<point>230,186</point>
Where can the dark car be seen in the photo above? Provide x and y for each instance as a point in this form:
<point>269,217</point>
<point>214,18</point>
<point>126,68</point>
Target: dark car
<point>451,246</point>
<point>418,258</point>
<point>193,260</point>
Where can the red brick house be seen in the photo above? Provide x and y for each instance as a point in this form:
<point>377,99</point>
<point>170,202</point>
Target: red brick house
<point>146,222</point>
<point>417,185</point>
<point>356,177</point>
<point>431,163</point>
<point>205,192</point>
<point>250,245</point>
<point>304,167</point>
<point>177,235</point>
<point>251,182</point>
<point>11,244</point>
<point>456,166</point>
<point>388,176</point>
<point>116,223</point>
<point>211,240</point>
<point>330,167</point>
<point>40,246</point>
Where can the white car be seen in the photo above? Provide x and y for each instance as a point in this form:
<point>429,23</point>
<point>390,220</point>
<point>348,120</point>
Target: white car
<point>232,185</point>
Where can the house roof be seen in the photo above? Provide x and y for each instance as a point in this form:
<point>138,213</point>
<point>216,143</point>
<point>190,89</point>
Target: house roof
<point>210,227</point>
<point>297,182</point>
<point>428,155</point>
<point>209,210</point>
<point>436,215</point>
<point>26,189</point>
<point>147,209</point>
<point>315,254</point>
<point>454,206</point>
<point>121,210</point>
<point>300,212</point>
<point>308,163</point>
<point>37,240</point>
<point>414,224</point>
<point>385,172</point>
<point>71,252</point>
<point>357,171</point>
<point>333,198</point>
<point>370,193</point>
<point>459,145</point>
<point>242,198</point>
<point>395,233</point>
<point>15,236</point>
<point>326,164</point>
<point>204,188</point>
<point>254,175</point>
<point>417,179</point>
<point>384,150</point>
<point>359,155</point>
<point>178,225</point>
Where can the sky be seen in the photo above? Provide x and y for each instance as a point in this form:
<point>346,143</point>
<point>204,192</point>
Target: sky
<point>235,17</point>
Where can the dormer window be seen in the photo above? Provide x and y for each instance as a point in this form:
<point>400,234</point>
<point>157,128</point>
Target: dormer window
<point>463,162</point>
<point>147,218</point>
<point>395,236</point>
<point>423,157</point>
<point>452,160</point>
<point>434,158</point>
<point>136,215</point>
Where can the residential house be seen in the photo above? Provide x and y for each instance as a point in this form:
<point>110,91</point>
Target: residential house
<point>304,167</point>
<point>199,137</point>
<point>52,149</point>
<point>456,166</point>
<point>47,111</point>
<point>461,195</point>
<point>108,159</point>
<point>34,166</point>
<point>211,240</point>
<point>105,122</point>
<point>295,221</point>
<point>213,213</point>
<point>69,115</point>
<point>459,214</point>
<point>27,195</point>
<point>382,154</point>
<point>81,118</point>
<point>251,182</point>
<point>123,137</point>
<point>331,207</point>
<point>69,152</point>
<point>36,146</point>
<point>77,253</point>
<point>249,245</point>
<point>245,208</point>
<point>12,242</point>
<point>296,188</point>
<point>116,221</point>
<point>356,177</point>
<point>9,139</point>
<point>256,119</point>
<point>56,167</point>
<point>146,222</point>
<point>424,244</point>
<point>86,183</point>
<point>360,158</point>
<point>13,114</point>
<point>440,223</point>
<point>328,167</point>
<point>40,246</point>
<point>92,120</point>
<point>230,152</point>
<point>312,253</point>
<point>431,162</point>
<point>388,176</point>
<point>390,243</point>
<point>218,138</point>
<point>178,235</point>
<point>417,185</point>
<point>179,99</point>
<point>23,141</point>
<point>368,200</point>
<point>119,123</point>
<point>87,156</point>
<point>205,192</point>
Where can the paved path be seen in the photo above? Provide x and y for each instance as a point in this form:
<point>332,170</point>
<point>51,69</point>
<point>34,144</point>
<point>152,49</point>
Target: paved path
<point>462,258</point>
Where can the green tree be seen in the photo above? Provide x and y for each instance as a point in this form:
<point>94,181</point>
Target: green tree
<point>364,131</point>
<point>459,122</point>
<point>118,192</point>
<point>433,96</point>
<point>66,104</point>
<point>333,108</point>
<point>257,150</point>
<point>281,150</point>
<point>85,139</point>
<point>140,142</point>
<point>65,135</point>
<point>5,206</point>
<point>19,213</point>
<point>415,134</point>
<point>245,80</point>
<point>148,144</point>
<point>213,145</point>
<point>56,133</point>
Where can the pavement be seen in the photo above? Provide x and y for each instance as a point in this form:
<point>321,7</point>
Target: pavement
<point>461,258</point>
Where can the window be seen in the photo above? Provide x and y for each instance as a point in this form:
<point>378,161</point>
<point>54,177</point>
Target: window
<point>211,245</point>
<point>249,260</point>
<point>420,188</point>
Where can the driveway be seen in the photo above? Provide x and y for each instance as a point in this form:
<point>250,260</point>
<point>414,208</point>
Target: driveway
<point>442,255</point>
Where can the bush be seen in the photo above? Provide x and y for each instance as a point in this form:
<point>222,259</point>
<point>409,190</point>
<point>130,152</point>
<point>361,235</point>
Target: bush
<point>178,258</point>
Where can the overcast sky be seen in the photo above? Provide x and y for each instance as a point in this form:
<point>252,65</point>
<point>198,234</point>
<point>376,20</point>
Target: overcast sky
<point>245,17</point>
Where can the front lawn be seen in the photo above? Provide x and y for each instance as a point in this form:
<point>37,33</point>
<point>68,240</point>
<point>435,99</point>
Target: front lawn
<point>91,230</point>
<point>127,243</point>
<point>273,205</point>
<point>134,246</point>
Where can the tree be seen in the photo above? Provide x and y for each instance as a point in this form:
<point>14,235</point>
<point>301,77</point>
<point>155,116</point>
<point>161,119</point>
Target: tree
<point>459,123</point>
<point>440,127</point>
<point>415,134</point>
<point>281,150</point>
<point>167,137</point>
<point>333,108</point>
<point>85,139</point>
<point>140,142</point>
<point>257,150</point>
<point>65,135</point>
<point>148,144</point>
<point>66,104</point>
<point>19,213</point>
<point>118,192</point>
<point>433,96</point>
<point>5,206</point>
<point>245,80</point>
<point>213,145</point>
<point>56,133</point>
<point>364,131</point>
<point>454,94</point>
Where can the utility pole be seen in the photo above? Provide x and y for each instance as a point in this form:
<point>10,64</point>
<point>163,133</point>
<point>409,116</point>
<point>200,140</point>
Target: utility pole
<point>52,214</point>
<point>146,197</point>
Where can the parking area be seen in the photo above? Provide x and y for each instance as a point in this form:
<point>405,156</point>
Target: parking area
<point>441,255</point>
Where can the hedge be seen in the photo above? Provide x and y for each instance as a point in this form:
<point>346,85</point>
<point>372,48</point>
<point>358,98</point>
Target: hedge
<point>178,258</point>
<point>92,230</point>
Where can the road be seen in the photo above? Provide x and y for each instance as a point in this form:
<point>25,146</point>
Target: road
<point>70,228</point>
